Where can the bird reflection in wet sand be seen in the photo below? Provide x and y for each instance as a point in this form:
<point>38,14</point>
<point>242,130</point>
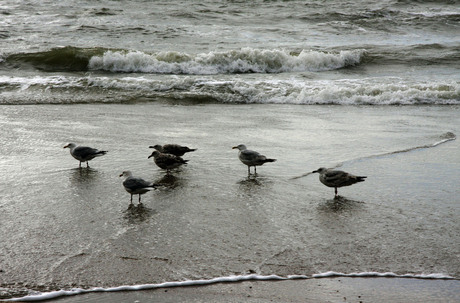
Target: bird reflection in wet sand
<point>136,186</point>
<point>337,178</point>
<point>250,181</point>
<point>138,213</point>
<point>84,175</point>
<point>340,204</point>
<point>167,180</point>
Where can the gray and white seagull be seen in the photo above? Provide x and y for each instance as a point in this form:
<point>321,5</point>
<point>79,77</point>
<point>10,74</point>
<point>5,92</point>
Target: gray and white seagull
<point>337,178</point>
<point>251,158</point>
<point>136,186</point>
<point>84,153</point>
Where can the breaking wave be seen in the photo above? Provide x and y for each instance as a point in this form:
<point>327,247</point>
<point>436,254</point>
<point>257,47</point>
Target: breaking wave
<point>238,61</point>
<point>228,89</point>
<point>246,60</point>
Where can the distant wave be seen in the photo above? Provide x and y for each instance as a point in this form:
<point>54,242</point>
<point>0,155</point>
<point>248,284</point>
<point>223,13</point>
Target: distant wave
<point>229,279</point>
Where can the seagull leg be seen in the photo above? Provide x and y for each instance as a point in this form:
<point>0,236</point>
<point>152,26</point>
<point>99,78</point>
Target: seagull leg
<point>131,198</point>
<point>249,170</point>
<point>139,199</point>
<point>87,165</point>
<point>336,193</point>
<point>79,165</point>
<point>255,170</point>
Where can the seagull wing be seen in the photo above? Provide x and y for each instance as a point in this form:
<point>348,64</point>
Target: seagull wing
<point>168,159</point>
<point>340,178</point>
<point>250,155</point>
<point>176,149</point>
<point>84,152</point>
<point>134,184</point>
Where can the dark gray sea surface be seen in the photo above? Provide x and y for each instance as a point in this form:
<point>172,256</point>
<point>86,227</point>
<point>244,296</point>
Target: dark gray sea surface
<point>199,26</point>
<point>64,226</point>
<point>277,52</point>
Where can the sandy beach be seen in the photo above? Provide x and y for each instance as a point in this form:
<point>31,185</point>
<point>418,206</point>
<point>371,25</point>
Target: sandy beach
<point>209,219</point>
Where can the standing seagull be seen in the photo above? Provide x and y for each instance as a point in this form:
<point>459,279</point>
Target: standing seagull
<point>84,153</point>
<point>167,161</point>
<point>251,158</point>
<point>173,149</point>
<point>337,178</point>
<point>135,186</point>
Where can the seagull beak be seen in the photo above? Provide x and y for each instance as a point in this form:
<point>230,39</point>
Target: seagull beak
<point>149,156</point>
<point>234,147</point>
<point>315,171</point>
<point>121,175</point>
<point>66,146</point>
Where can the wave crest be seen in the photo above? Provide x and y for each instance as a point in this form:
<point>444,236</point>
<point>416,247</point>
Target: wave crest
<point>246,60</point>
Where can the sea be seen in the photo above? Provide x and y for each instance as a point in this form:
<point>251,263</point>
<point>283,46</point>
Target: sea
<point>369,87</point>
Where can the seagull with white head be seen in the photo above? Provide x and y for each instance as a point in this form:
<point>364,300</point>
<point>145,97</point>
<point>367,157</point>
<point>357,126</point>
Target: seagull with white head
<point>251,158</point>
<point>136,186</point>
<point>337,178</point>
<point>84,153</point>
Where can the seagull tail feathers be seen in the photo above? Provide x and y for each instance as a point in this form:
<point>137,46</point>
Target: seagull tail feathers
<point>270,160</point>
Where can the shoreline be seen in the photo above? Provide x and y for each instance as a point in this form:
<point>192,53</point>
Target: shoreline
<point>322,289</point>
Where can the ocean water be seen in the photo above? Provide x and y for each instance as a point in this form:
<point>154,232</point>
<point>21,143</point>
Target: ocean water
<point>371,87</point>
<point>290,52</point>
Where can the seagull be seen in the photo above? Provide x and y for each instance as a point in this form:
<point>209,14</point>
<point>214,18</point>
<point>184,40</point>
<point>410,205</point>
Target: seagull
<point>173,149</point>
<point>84,153</point>
<point>337,178</point>
<point>167,161</point>
<point>135,186</point>
<point>251,158</point>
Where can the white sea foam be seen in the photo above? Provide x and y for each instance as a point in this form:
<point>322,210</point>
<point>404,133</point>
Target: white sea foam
<point>228,279</point>
<point>382,91</point>
<point>26,82</point>
<point>230,89</point>
<point>237,61</point>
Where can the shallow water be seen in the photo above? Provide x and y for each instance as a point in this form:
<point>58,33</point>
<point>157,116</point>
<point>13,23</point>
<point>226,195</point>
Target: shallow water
<point>209,219</point>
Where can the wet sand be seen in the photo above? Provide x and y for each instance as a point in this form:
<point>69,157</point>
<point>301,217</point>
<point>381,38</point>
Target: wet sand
<point>209,219</point>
